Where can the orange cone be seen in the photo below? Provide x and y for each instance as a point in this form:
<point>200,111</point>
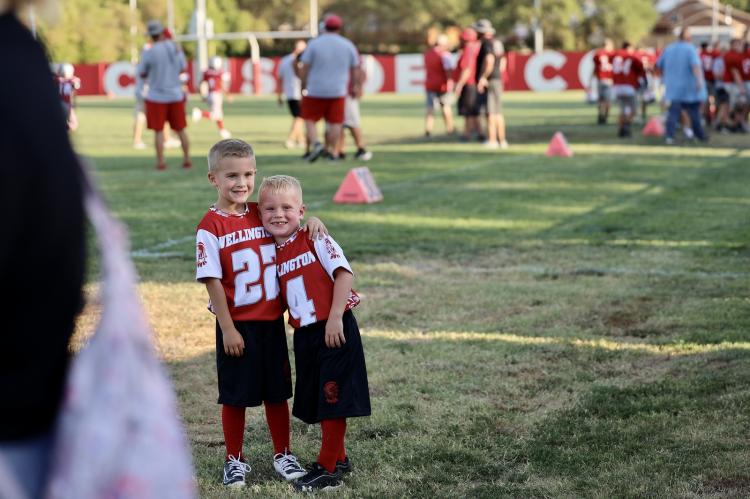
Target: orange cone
<point>653,128</point>
<point>558,146</point>
<point>358,187</point>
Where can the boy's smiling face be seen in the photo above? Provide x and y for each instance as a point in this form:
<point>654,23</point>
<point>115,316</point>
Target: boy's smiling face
<point>234,179</point>
<point>281,212</point>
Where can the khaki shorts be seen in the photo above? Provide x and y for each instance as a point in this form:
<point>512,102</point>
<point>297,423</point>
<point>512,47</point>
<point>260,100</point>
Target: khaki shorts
<point>494,102</point>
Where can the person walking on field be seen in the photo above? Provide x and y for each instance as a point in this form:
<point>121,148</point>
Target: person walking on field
<point>603,75</point>
<point>466,85</point>
<point>289,85</point>
<point>438,65</point>
<point>491,64</point>
<point>329,63</point>
<point>165,100</point>
<point>685,90</point>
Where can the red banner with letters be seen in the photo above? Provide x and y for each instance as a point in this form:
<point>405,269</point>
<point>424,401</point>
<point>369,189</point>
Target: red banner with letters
<point>403,73</point>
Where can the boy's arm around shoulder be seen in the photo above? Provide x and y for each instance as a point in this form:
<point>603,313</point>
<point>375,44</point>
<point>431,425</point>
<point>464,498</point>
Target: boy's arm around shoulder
<point>342,286</point>
<point>234,345</point>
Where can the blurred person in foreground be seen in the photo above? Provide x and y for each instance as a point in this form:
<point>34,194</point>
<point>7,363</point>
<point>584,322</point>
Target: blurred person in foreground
<point>682,73</point>
<point>42,265</point>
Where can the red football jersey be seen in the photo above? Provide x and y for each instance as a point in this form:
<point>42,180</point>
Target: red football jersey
<point>603,64</point>
<point>215,79</point>
<point>626,69</point>
<point>66,87</point>
<point>707,62</point>
<point>305,269</point>
<point>436,67</point>
<point>236,249</point>
<point>732,60</point>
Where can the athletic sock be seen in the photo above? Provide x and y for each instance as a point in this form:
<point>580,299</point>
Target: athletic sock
<point>206,114</point>
<point>277,417</point>
<point>332,443</point>
<point>220,124</point>
<point>233,424</point>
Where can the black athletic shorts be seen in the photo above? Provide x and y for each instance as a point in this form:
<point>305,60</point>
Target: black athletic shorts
<point>722,95</point>
<point>294,107</point>
<point>331,382</point>
<point>468,102</point>
<point>262,373</point>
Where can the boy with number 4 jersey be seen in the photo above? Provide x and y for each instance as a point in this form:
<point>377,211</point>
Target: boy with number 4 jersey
<point>316,282</point>
<point>235,259</point>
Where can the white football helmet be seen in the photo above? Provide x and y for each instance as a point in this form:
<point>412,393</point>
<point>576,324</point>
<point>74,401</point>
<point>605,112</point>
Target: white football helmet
<point>215,63</point>
<point>66,70</point>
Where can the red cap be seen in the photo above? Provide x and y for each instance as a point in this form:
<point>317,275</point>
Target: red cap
<point>469,35</point>
<point>167,34</point>
<point>332,21</point>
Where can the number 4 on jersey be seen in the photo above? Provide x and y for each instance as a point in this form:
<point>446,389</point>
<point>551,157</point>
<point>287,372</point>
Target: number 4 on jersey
<point>300,306</point>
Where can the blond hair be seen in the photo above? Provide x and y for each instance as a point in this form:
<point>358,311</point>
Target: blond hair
<point>228,148</point>
<point>280,183</point>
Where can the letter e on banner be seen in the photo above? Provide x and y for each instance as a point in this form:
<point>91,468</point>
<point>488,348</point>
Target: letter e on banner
<point>410,74</point>
<point>534,71</point>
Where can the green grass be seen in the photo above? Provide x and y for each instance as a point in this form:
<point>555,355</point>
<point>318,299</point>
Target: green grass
<point>534,327</point>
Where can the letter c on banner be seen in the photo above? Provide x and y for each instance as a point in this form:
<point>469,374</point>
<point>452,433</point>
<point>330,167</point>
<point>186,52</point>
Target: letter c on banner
<point>119,79</point>
<point>534,71</point>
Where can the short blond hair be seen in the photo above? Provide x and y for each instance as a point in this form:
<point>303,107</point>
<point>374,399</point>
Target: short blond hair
<point>228,148</point>
<point>280,183</point>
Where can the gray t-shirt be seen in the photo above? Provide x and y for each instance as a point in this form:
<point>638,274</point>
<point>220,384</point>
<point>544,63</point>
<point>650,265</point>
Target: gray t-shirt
<point>161,65</point>
<point>290,82</point>
<point>330,58</point>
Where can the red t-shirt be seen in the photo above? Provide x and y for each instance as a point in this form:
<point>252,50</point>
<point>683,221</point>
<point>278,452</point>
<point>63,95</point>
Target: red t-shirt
<point>237,250</point>
<point>626,69</point>
<point>603,64</point>
<point>305,269</point>
<point>436,73</point>
<point>732,60</point>
<point>468,59</point>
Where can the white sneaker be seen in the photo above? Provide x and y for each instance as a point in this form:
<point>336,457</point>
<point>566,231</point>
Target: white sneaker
<point>503,144</point>
<point>234,472</point>
<point>139,145</point>
<point>288,467</point>
<point>172,143</point>
<point>289,143</point>
<point>688,133</point>
<point>197,114</point>
<point>491,144</point>
<point>225,134</point>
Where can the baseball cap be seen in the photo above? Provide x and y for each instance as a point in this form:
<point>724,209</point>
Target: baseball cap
<point>483,26</point>
<point>332,21</point>
<point>154,28</point>
<point>469,35</point>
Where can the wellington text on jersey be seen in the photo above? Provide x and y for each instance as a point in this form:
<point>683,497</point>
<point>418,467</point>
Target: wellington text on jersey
<point>295,263</point>
<point>239,236</point>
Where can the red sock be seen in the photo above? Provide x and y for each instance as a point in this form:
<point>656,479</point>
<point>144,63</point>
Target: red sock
<point>333,442</point>
<point>233,424</point>
<point>220,124</point>
<point>342,451</point>
<point>206,114</point>
<point>277,416</point>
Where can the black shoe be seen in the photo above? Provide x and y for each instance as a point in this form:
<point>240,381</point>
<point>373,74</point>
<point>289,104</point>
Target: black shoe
<point>601,120</point>
<point>344,466</point>
<point>316,151</point>
<point>318,478</point>
<point>363,155</point>
<point>306,155</point>
<point>234,472</point>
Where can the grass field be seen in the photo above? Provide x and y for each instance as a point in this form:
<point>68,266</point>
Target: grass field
<point>534,327</point>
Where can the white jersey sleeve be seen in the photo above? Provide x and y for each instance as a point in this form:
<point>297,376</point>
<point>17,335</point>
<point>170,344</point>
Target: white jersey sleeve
<point>330,255</point>
<point>207,262</point>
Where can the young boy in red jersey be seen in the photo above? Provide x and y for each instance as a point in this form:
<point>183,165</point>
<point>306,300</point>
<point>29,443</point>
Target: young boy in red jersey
<point>212,86</point>
<point>67,85</point>
<point>627,75</point>
<point>235,259</point>
<point>316,282</point>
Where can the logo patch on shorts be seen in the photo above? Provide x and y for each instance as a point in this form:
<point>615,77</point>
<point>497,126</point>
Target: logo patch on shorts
<point>331,392</point>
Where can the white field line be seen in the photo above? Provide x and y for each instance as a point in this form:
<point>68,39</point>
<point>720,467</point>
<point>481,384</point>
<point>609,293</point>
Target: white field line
<point>154,251</point>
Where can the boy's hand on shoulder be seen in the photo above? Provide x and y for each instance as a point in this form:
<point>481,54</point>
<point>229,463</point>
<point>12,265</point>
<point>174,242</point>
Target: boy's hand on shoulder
<point>334,332</point>
<point>234,345</point>
<point>315,228</point>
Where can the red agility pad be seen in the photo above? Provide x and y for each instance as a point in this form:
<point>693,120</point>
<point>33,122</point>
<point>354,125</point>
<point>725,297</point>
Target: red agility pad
<point>558,146</point>
<point>653,128</point>
<point>358,187</point>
